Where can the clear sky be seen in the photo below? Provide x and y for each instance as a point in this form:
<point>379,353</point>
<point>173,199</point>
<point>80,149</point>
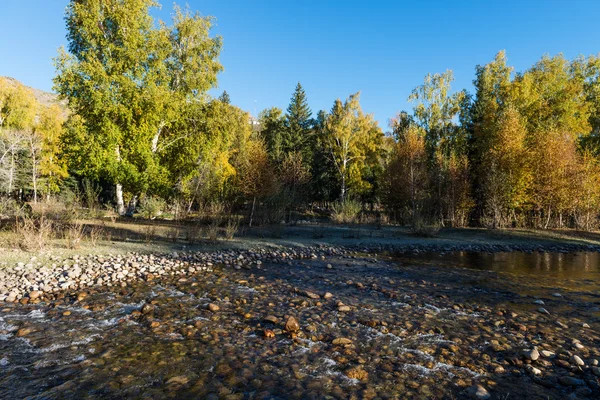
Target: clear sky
<point>335,48</point>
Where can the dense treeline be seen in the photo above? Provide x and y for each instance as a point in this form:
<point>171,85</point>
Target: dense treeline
<point>522,150</point>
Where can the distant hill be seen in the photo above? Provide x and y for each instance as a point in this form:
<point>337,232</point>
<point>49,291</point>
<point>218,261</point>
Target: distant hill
<point>44,98</point>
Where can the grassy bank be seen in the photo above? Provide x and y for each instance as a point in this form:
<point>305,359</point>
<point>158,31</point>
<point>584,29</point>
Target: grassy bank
<point>135,235</point>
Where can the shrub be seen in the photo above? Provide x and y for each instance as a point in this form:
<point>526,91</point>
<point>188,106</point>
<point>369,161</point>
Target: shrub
<point>74,234</point>
<point>95,233</point>
<point>194,233</point>
<point>212,230</point>
<point>10,208</point>
<point>152,207</point>
<point>53,209</point>
<point>346,212</point>
<point>233,224</point>
<point>35,233</point>
<point>420,229</point>
<point>90,193</point>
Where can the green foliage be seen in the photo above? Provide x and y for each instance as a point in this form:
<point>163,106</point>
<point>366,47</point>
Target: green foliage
<point>273,132</point>
<point>352,140</point>
<point>298,124</point>
<point>126,79</point>
<point>152,207</point>
<point>224,97</point>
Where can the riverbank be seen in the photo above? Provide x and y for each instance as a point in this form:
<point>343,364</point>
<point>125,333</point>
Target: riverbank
<point>165,237</point>
<point>58,270</point>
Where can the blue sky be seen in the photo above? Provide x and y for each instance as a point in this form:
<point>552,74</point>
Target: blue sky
<point>335,48</point>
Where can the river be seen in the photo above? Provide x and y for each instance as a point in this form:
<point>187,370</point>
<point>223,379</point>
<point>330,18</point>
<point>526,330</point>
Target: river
<point>418,326</point>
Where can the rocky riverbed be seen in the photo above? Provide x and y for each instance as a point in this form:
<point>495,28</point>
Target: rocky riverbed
<point>291,323</point>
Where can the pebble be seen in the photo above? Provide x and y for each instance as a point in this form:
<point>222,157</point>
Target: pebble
<point>577,360</point>
<point>532,354</point>
<point>341,341</point>
<point>547,354</point>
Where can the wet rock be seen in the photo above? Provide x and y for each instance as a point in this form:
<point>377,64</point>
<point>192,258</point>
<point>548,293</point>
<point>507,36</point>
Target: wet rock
<point>268,333</point>
<point>312,295</point>
<point>178,380</point>
<point>24,332</point>
<point>575,359</point>
<point>532,354</point>
<point>292,325</point>
<point>570,381</point>
<point>213,307</point>
<point>341,341</point>
<point>533,371</point>
<point>357,373</point>
<point>147,309</point>
<point>479,392</point>
<point>81,296</point>
<point>271,318</point>
<point>547,354</point>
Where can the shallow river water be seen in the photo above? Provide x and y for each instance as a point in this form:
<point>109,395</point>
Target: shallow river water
<point>419,326</point>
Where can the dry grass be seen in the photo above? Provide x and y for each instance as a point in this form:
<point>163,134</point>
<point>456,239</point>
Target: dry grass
<point>346,212</point>
<point>95,234</point>
<point>74,235</point>
<point>232,227</point>
<point>34,234</point>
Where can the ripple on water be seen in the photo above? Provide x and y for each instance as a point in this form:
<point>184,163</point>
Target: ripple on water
<point>58,346</point>
<point>6,327</point>
<point>128,308</point>
<point>34,314</point>
<point>450,370</point>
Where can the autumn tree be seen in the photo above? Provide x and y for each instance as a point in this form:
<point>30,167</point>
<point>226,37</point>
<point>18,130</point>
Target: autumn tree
<point>256,177</point>
<point>551,98</point>
<point>18,109</point>
<point>435,112</point>
<point>29,136</point>
<point>52,168</point>
<point>405,186</point>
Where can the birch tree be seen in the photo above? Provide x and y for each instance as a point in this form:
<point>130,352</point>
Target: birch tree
<point>349,136</point>
<point>127,77</point>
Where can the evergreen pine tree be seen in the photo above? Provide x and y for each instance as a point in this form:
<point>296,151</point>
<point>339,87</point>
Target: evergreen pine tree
<point>224,97</point>
<point>298,124</point>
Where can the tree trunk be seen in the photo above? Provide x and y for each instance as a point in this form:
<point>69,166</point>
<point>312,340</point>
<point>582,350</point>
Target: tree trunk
<point>343,193</point>
<point>33,171</point>
<point>12,170</point>
<point>252,212</point>
<point>131,207</point>
<point>548,219</point>
<point>120,202</point>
